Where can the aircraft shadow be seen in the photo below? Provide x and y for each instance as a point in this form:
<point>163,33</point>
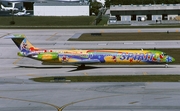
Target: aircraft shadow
<point>78,68</point>
<point>97,67</point>
<point>84,68</point>
<point>35,67</point>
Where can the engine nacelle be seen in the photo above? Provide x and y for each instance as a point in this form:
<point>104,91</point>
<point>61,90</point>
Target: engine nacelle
<point>20,54</point>
<point>48,56</point>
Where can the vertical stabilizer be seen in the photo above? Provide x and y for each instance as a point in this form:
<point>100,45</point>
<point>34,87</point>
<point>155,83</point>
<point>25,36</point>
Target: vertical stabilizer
<point>2,6</point>
<point>22,43</point>
<point>13,4</point>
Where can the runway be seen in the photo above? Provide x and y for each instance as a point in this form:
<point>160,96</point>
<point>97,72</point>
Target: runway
<point>17,92</point>
<point>58,39</point>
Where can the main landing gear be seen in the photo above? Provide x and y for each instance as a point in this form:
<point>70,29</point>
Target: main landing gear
<point>166,65</point>
<point>82,66</point>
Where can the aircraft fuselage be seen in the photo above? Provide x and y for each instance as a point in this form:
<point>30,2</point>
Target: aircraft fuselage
<point>101,56</point>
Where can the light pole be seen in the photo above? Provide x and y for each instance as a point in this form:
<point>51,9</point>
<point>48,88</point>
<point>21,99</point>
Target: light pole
<point>12,22</point>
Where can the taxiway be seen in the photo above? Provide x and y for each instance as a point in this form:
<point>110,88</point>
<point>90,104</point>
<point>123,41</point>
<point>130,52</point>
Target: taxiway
<point>17,92</point>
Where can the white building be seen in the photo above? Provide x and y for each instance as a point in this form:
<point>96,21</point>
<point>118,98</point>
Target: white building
<point>155,12</point>
<point>61,9</point>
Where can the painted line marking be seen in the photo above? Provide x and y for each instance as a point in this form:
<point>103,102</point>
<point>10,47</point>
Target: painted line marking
<point>149,43</point>
<point>128,43</point>
<point>102,31</point>
<point>58,108</point>
<point>101,97</point>
<point>86,74</point>
<point>16,61</point>
<point>102,44</point>
<point>144,73</point>
<point>5,35</point>
<point>51,36</point>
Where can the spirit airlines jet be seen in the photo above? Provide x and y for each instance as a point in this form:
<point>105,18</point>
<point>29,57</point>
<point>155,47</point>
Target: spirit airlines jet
<point>9,8</point>
<point>82,57</point>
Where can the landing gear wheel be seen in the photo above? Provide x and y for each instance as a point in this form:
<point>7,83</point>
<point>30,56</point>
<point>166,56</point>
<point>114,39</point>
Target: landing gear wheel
<point>166,65</point>
<point>82,66</point>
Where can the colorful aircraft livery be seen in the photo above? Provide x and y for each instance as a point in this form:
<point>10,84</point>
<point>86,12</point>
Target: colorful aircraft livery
<point>82,57</point>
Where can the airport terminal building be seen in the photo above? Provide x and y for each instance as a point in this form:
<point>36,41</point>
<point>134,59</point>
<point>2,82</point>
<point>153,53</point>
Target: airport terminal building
<point>150,12</point>
<point>61,8</point>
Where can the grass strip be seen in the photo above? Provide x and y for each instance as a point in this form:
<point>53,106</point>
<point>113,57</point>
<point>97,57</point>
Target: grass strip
<point>124,78</point>
<point>66,22</point>
<point>48,21</point>
<point>52,26</point>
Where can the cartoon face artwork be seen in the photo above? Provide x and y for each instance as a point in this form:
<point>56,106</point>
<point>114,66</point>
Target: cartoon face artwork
<point>23,45</point>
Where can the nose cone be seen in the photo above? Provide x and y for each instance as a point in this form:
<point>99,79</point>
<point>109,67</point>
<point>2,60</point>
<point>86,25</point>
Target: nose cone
<point>173,60</point>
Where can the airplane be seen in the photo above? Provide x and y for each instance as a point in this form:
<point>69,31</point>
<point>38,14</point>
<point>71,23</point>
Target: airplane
<point>83,57</point>
<point>23,13</point>
<point>9,8</point>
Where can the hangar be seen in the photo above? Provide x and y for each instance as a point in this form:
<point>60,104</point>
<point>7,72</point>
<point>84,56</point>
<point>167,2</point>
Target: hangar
<point>151,12</point>
<point>51,8</point>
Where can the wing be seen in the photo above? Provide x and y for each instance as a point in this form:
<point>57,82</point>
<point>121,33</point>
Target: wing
<point>73,62</point>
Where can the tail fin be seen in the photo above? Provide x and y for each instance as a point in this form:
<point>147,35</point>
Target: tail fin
<point>22,43</point>
<point>13,4</point>
<point>2,6</point>
<point>24,9</point>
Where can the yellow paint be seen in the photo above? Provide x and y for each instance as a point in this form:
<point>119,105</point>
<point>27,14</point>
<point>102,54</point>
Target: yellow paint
<point>144,73</point>
<point>139,30</point>
<point>72,60</point>
<point>85,74</point>
<point>32,75</point>
<point>24,100</point>
<point>51,36</point>
<point>177,30</point>
<point>5,35</point>
<point>46,57</point>
<point>102,31</point>
<point>15,62</point>
<point>72,48</point>
<point>60,59</point>
<point>109,59</point>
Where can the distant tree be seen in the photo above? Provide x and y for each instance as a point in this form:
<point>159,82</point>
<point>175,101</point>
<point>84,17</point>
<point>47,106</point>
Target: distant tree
<point>147,2</point>
<point>95,6</point>
<point>107,3</point>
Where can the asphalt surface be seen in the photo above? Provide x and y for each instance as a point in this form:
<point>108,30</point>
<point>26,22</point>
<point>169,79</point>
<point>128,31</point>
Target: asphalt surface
<point>18,93</point>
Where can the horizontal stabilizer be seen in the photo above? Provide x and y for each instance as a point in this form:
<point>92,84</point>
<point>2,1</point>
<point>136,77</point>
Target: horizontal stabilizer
<point>14,36</point>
